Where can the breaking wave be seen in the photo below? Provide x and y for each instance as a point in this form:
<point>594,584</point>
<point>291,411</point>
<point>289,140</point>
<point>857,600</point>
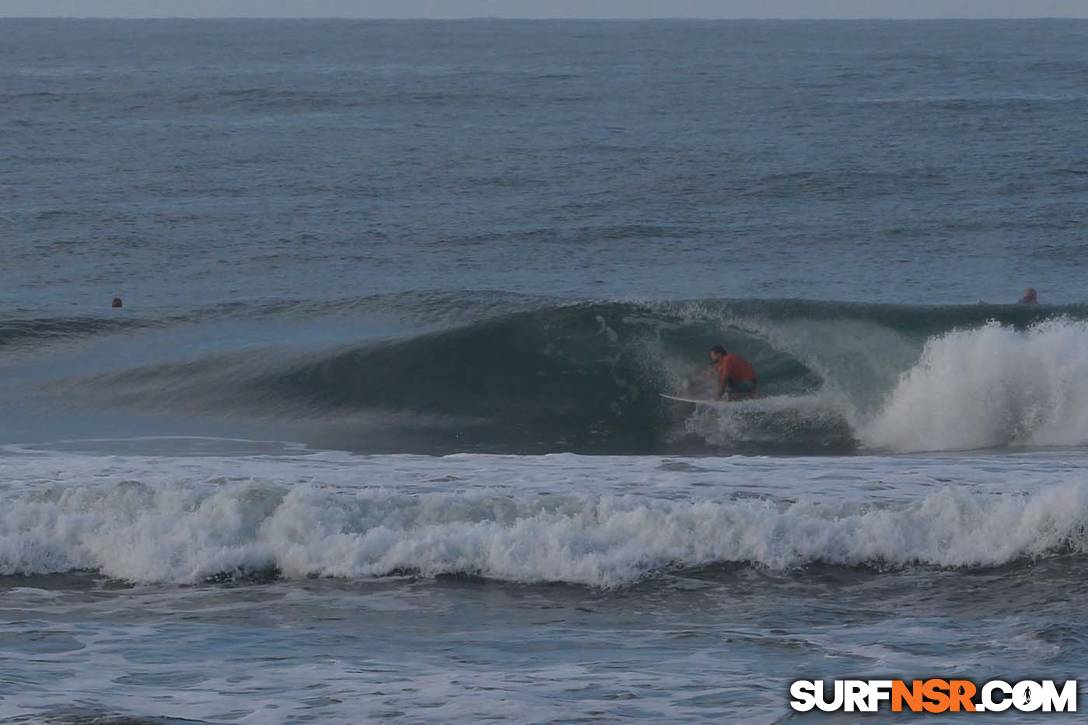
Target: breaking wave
<point>504,373</point>
<point>184,532</point>
<point>991,386</point>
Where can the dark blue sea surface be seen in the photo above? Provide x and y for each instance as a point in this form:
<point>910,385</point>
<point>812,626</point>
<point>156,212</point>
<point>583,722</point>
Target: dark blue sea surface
<point>378,431</point>
<point>185,163</point>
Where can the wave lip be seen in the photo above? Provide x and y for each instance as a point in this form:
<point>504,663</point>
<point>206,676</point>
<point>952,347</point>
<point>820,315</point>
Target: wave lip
<point>190,533</point>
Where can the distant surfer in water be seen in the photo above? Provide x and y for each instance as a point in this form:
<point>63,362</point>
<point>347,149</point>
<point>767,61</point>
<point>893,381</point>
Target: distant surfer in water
<point>1031,297</point>
<point>736,376</point>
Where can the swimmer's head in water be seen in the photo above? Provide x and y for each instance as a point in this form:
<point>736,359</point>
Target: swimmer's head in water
<point>1030,297</point>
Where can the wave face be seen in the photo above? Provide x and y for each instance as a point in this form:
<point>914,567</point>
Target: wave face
<point>184,532</point>
<point>515,374</point>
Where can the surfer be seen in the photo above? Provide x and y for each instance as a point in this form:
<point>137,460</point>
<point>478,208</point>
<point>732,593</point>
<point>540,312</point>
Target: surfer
<point>736,376</point>
<point>1031,297</point>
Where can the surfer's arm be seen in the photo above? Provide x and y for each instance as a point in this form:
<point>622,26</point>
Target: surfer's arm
<point>723,381</point>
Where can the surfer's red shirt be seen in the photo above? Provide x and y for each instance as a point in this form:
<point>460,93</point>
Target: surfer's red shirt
<point>732,368</point>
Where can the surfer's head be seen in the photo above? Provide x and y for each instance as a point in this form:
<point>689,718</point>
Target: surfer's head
<point>717,353</point>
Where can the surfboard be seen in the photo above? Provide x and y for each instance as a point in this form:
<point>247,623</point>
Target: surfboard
<point>763,405</point>
<point>693,401</point>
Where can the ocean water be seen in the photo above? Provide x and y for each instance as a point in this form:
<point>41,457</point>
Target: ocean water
<point>377,433</point>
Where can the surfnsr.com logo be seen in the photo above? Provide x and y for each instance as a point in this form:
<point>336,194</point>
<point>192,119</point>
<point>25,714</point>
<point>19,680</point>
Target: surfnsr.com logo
<point>933,696</point>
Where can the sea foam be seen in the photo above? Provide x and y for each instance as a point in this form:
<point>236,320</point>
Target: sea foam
<point>988,387</point>
<point>189,531</point>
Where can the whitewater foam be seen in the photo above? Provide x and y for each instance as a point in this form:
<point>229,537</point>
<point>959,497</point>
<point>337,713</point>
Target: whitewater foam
<point>186,526</point>
<point>988,387</point>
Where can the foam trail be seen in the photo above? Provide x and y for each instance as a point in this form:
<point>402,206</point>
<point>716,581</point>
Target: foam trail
<point>989,387</point>
<point>186,532</point>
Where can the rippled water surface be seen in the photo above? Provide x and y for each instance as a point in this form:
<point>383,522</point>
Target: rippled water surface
<point>378,430</point>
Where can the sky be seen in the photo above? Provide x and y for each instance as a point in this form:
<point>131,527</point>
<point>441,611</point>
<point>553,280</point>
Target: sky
<point>549,8</point>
